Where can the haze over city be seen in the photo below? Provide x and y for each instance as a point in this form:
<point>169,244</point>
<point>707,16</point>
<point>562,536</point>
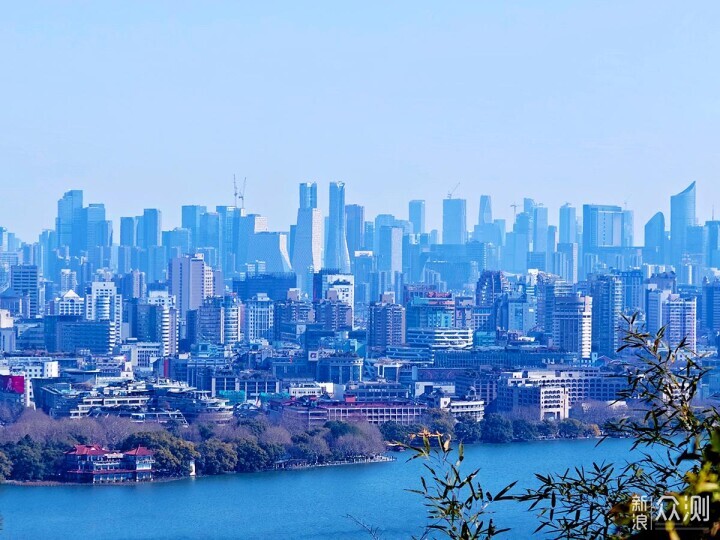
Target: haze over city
<point>558,102</point>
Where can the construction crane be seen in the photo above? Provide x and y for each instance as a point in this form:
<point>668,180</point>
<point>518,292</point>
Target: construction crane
<point>239,194</point>
<point>514,207</point>
<point>450,193</point>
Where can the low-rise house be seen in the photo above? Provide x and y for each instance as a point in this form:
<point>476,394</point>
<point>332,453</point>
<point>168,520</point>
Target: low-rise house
<point>93,464</point>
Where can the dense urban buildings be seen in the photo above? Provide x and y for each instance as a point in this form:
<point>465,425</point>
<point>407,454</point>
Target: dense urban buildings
<point>376,317</point>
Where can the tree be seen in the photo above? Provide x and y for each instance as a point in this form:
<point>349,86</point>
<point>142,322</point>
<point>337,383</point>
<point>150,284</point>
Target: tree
<point>216,457</point>
<point>399,433</point>
<point>547,429</point>
<point>569,428</point>
<point>524,430</point>
<point>440,421</point>
<point>468,431</point>
<point>26,459</point>
<point>173,455</point>
<point>250,456</point>
<point>5,466</point>
<point>496,429</point>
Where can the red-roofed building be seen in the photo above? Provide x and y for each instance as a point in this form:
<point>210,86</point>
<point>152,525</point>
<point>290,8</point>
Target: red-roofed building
<point>93,464</point>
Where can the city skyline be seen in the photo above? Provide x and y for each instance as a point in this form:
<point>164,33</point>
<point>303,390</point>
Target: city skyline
<point>321,200</point>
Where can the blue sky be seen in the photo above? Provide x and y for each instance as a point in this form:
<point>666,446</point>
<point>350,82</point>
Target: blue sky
<point>157,104</point>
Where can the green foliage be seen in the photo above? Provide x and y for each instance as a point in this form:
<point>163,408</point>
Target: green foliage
<point>569,428</point>
<point>6,467</point>
<point>26,458</point>
<point>173,456</point>
<point>547,429</point>
<point>216,457</point>
<point>468,431</point>
<point>455,501</point>
<point>251,457</point>
<point>338,429</point>
<point>523,430</point>
<point>399,433</point>
<point>440,421</point>
<point>496,429</point>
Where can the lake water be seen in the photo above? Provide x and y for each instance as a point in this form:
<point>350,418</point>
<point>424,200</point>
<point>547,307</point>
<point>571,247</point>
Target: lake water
<point>302,504</point>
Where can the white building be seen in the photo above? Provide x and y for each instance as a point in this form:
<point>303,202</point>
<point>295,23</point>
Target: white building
<point>572,325</point>
<point>258,317</point>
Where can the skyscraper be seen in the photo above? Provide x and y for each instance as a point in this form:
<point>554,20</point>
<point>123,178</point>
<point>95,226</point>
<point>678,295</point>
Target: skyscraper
<point>416,214</point>
<point>191,281</point>
<point>607,295</point>
<point>152,227</point>
<point>572,325</point>
<point>603,227</point>
<point>355,219</point>
<point>568,224</point>
<point>540,229</point>
<point>485,214</point>
<point>25,282</point>
<point>336,255</point>
<point>682,216</point>
<point>390,251</point>
<point>191,221</point>
<point>454,221</point>
<point>308,195</point>
<point>128,231</point>
<point>655,238</point>
<point>308,246</point>
<point>68,220</point>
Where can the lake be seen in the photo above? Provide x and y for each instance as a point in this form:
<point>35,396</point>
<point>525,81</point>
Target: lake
<point>301,504</point>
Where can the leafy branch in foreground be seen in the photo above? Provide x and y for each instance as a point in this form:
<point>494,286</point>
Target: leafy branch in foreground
<point>677,443</point>
<point>456,504</point>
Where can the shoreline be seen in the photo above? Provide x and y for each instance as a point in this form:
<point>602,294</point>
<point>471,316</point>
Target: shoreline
<point>161,480</point>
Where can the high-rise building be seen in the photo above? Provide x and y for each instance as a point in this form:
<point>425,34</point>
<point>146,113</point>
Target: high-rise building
<point>711,307</point>
<point>680,320</point>
<point>386,325</point>
<point>308,195</point>
<point>228,221</point>
<point>191,281</point>
<point>572,325</point>
<point>95,230</point>
<point>308,245</point>
<point>607,295</point>
<point>25,282</point>
<point>272,249</point>
<point>604,226</point>
<point>540,229</point>
<point>712,249</point>
<point>191,221</point>
<point>485,213</point>
<point>682,216</point>
<point>416,211</point>
<point>355,219</point>
<point>655,240</point>
<point>151,228</point>
<point>67,224</point>
<point>655,304</point>
<point>336,254</point>
<point>104,303</point>
<point>390,253</point>
<point>454,221</point>
<point>568,224</point>
<point>128,231</point>
<point>258,318</point>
